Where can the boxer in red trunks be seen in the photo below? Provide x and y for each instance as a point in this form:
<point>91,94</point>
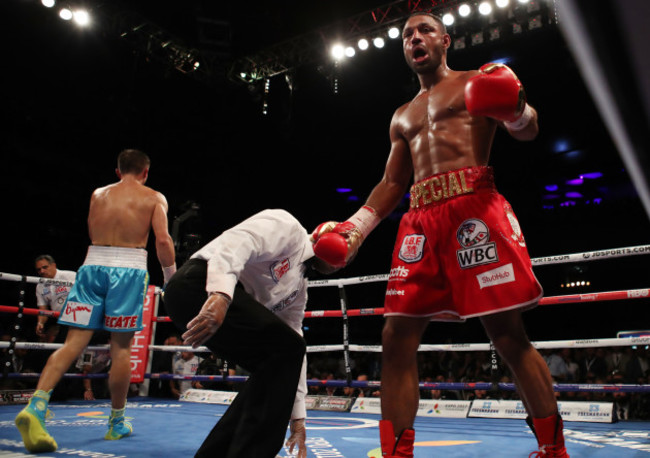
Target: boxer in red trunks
<point>460,252</point>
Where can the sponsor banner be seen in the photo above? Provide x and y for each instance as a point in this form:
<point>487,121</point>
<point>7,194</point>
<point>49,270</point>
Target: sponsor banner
<point>366,405</point>
<point>598,412</point>
<point>142,339</point>
<point>333,403</point>
<point>15,396</point>
<point>443,408</point>
<point>493,408</point>
<point>208,396</point>
<point>602,412</point>
<point>311,402</point>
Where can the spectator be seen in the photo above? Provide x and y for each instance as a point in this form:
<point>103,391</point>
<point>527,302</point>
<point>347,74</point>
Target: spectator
<point>162,363</point>
<point>95,362</point>
<point>429,393</point>
<point>20,361</point>
<point>478,395</point>
<point>212,365</point>
<point>573,368</point>
<point>617,359</point>
<point>637,367</point>
<point>592,364</point>
<point>556,365</point>
<point>51,297</point>
<point>315,389</point>
<point>187,364</point>
<point>367,392</point>
<point>332,390</point>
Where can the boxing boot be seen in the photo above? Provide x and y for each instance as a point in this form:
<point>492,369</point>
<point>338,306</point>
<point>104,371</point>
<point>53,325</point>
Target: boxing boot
<point>31,424</point>
<point>118,427</point>
<point>550,437</point>
<point>402,447</point>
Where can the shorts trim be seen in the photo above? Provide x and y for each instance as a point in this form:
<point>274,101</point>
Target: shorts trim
<point>113,256</point>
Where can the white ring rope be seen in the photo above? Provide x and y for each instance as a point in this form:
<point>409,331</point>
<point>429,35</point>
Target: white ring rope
<point>542,261</point>
<point>44,281</point>
<point>551,344</point>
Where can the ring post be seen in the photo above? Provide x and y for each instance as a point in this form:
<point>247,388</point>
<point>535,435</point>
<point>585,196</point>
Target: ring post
<point>17,327</point>
<point>346,333</point>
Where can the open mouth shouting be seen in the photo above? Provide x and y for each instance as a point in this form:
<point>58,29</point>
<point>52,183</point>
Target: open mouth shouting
<point>419,55</point>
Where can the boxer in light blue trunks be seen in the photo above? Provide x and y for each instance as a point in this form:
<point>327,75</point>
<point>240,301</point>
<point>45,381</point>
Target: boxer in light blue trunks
<point>109,290</point>
<point>108,293</point>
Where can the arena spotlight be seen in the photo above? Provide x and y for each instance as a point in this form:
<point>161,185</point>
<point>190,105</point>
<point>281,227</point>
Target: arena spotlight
<point>363,44</point>
<point>464,10</point>
<point>393,32</point>
<point>349,51</point>
<point>338,51</point>
<point>378,42</point>
<point>502,3</point>
<point>485,8</point>
<point>47,3</point>
<point>65,14</point>
<point>448,19</point>
<point>81,17</point>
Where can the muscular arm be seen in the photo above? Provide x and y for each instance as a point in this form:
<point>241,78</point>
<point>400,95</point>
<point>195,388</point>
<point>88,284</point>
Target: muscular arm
<point>388,193</point>
<point>164,242</point>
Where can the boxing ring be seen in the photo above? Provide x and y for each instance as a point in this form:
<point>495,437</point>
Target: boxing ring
<point>459,428</point>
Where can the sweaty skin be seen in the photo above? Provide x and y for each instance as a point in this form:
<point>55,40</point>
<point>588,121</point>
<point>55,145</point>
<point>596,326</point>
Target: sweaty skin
<point>434,133</point>
<point>122,213</point>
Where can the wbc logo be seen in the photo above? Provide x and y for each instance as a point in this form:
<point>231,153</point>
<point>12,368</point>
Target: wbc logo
<point>473,236</point>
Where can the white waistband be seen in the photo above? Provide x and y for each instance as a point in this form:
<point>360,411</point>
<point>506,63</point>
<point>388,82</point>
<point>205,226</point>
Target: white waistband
<point>115,256</point>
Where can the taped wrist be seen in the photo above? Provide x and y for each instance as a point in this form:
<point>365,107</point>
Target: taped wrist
<point>521,122</point>
<point>168,272</point>
<point>365,219</point>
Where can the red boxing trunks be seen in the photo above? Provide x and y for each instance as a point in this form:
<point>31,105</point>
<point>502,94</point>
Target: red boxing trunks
<point>459,252</point>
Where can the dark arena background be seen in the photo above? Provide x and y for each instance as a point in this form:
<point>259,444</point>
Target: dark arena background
<point>241,106</point>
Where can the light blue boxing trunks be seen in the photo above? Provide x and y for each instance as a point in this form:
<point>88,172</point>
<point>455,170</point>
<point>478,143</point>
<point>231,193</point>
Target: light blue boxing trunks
<point>109,290</point>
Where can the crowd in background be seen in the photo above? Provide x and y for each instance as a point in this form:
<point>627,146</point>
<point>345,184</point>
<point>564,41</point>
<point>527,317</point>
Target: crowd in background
<point>610,365</point>
<point>583,366</point>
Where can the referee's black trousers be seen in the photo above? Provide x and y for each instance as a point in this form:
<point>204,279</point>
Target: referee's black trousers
<point>251,336</point>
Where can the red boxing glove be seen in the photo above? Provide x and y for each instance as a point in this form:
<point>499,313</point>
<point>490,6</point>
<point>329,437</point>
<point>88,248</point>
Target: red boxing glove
<point>337,243</point>
<point>495,92</point>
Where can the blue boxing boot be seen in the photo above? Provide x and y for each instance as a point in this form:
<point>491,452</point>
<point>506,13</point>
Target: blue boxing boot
<point>31,424</point>
<point>118,427</point>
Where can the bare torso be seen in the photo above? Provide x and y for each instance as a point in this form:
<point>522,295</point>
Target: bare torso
<point>121,214</point>
<point>439,132</point>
